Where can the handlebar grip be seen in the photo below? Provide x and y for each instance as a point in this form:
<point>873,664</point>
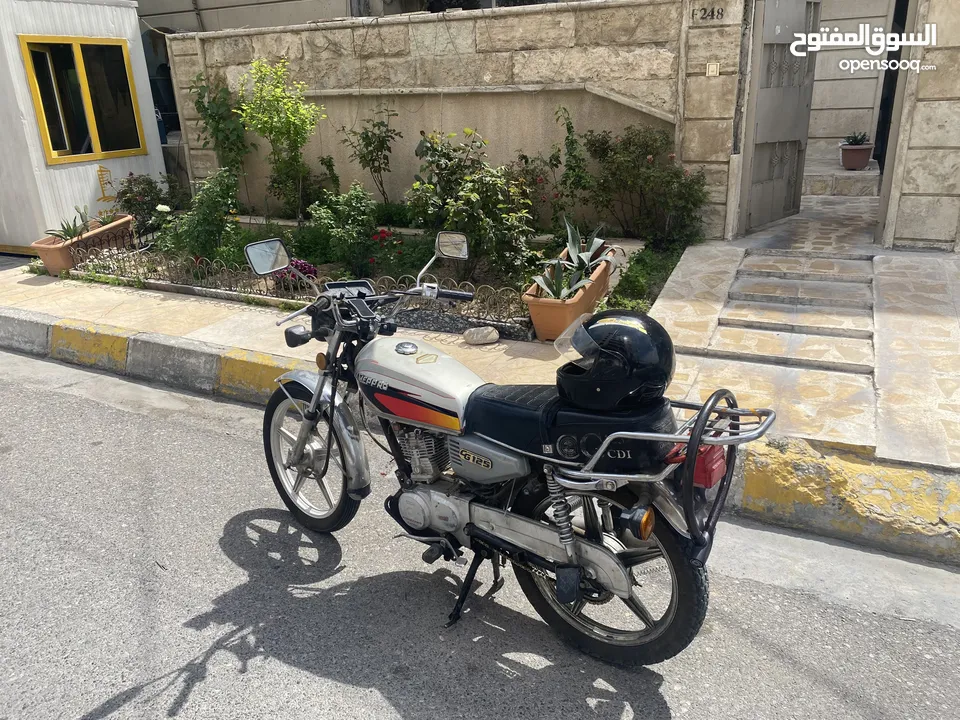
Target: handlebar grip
<point>461,295</point>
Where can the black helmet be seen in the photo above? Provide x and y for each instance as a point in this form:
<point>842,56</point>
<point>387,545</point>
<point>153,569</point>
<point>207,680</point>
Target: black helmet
<point>619,360</point>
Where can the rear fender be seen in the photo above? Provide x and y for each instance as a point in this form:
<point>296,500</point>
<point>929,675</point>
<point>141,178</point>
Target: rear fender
<point>356,467</point>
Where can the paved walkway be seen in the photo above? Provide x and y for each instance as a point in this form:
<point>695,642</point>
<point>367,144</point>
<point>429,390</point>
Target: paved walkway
<point>850,343</point>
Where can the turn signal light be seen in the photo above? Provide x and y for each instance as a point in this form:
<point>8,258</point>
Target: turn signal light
<point>647,523</point>
<point>321,361</point>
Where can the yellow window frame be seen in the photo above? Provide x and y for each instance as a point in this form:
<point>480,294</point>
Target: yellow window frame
<point>55,157</point>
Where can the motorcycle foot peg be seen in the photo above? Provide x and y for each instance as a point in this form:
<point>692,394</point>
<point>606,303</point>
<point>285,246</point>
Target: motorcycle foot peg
<point>432,553</point>
<point>568,583</point>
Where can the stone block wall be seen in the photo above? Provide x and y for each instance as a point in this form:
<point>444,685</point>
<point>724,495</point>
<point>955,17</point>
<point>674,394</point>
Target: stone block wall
<point>502,72</point>
<point>924,210</point>
<point>844,103</point>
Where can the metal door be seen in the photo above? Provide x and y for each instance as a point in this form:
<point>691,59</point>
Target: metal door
<point>778,112</point>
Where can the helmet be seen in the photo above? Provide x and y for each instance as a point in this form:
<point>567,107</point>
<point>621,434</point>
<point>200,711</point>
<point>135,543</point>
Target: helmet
<point>618,360</point>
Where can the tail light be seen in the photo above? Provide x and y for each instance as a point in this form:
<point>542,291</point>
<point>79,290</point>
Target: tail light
<point>711,463</point>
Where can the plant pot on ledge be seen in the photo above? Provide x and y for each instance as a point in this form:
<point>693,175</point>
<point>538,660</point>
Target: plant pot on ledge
<point>856,151</point>
<point>55,253</point>
<point>551,317</point>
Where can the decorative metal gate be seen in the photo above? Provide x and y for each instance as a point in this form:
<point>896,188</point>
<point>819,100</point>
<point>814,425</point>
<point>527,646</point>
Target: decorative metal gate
<point>778,114</point>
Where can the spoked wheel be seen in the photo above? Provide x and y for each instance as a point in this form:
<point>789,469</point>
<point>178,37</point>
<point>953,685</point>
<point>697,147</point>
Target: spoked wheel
<point>668,601</point>
<point>317,497</point>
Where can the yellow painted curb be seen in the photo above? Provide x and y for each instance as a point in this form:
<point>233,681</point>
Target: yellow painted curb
<point>86,343</point>
<point>252,376</point>
<point>848,492</point>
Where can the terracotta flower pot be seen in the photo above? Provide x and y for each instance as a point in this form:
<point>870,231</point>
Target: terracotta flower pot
<point>551,316</point>
<point>856,157</point>
<point>55,253</point>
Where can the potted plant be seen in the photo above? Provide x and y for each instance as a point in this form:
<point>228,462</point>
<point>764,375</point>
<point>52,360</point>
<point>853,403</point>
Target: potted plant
<point>570,285</point>
<point>855,151</point>
<point>54,250</point>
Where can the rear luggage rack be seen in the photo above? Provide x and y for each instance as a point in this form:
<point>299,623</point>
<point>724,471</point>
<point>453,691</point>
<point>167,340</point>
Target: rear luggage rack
<point>709,425</point>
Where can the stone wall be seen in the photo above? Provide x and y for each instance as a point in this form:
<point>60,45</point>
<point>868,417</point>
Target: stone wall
<point>503,72</point>
<point>844,103</point>
<point>924,210</point>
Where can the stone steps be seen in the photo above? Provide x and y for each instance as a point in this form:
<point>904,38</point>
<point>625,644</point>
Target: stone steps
<point>807,268</point>
<point>790,349</point>
<point>828,177</point>
<point>807,319</point>
<point>858,253</point>
<point>822,293</point>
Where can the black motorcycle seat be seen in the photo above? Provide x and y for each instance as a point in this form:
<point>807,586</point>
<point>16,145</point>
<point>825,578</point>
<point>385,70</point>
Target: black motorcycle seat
<point>535,420</point>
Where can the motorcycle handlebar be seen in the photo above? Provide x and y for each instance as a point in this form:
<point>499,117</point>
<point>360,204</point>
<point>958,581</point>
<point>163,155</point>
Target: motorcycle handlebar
<point>460,295</point>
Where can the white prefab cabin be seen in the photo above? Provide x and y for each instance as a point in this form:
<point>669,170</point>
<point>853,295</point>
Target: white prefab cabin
<point>76,112</point>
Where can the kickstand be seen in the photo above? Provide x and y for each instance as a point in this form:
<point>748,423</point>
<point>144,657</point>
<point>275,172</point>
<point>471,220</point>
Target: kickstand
<point>465,588</point>
<point>497,561</point>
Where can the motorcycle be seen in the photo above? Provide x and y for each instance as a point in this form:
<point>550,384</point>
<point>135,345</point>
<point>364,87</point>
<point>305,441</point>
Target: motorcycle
<point>607,518</point>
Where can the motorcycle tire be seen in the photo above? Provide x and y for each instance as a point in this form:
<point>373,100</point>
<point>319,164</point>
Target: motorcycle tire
<point>692,595</point>
<point>346,507</point>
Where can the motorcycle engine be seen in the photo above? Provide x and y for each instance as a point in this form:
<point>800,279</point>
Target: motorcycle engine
<point>425,451</point>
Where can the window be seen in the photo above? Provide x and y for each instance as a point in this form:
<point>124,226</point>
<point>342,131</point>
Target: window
<point>84,96</point>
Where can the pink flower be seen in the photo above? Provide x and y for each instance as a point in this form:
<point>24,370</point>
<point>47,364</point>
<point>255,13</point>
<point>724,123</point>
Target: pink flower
<point>672,157</point>
<point>650,159</point>
<point>373,260</point>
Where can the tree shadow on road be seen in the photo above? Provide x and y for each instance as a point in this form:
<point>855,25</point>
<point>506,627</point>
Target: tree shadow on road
<point>385,633</point>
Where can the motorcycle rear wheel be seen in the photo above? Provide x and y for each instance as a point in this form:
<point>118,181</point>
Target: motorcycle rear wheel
<point>661,635</point>
<point>318,502</point>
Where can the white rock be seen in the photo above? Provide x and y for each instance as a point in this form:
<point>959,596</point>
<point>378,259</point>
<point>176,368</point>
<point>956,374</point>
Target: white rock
<point>481,335</point>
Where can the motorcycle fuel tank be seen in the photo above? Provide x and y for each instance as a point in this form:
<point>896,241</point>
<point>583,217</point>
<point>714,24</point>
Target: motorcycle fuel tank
<point>414,382</point>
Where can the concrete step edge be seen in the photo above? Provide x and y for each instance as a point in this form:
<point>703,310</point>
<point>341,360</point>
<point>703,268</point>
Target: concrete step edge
<point>817,330</point>
<point>824,302</point>
<point>777,360</point>
<point>863,279</point>
<point>819,254</point>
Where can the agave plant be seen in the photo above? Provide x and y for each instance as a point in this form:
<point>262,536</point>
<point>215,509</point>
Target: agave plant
<point>69,229</point>
<point>563,278</point>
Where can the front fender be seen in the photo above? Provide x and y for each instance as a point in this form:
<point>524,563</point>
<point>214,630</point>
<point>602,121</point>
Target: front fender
<point>356,467</point>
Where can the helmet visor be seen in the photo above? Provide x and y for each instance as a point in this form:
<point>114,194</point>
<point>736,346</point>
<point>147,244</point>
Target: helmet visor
<point>575,344</point>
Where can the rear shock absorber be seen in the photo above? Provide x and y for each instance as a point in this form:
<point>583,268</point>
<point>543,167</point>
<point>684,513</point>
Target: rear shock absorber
<point>561,514</point>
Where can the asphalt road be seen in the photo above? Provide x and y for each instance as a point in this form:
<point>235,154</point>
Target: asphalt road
<point>149,572</point>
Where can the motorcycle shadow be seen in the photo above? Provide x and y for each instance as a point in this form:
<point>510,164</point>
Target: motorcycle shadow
<point>386,633</point>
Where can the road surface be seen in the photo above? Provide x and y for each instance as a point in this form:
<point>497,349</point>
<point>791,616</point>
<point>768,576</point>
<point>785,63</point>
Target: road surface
<point>148,571</point>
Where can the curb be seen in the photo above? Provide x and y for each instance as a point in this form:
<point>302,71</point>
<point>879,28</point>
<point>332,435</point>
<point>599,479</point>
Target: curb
<point>200,367</point>
<point>848,493</point>
<point>833,490</point>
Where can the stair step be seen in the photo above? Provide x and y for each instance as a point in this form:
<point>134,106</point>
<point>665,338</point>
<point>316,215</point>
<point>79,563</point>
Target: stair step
<point>866,253</point>
<point>924,245</point>
<point>802,292</point>
<point>807,268</point>
<point>838,354</point>
<point>808,319</point>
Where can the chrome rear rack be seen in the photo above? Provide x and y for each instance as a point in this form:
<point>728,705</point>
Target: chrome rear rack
<point>709,424</point>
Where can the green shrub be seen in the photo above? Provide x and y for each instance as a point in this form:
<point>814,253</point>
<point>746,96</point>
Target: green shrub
<point>139,195</point>
<point>370,146</point>
<point>220,125</point>
<point>644,278</point>
<point>457,189</point>
<point>277,110</point>
<point>312,243</point>
<point>348,224</point>
<point>207,226</point>
<point>393,214</point>
<point>638,182</point>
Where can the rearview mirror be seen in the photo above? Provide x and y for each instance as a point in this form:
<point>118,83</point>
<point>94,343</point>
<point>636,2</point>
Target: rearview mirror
<point>452,245</point>
<point>267,256</point>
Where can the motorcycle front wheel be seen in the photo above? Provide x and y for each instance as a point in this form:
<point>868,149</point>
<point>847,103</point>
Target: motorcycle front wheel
<point>316,496</point>
<point>668,601</point>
